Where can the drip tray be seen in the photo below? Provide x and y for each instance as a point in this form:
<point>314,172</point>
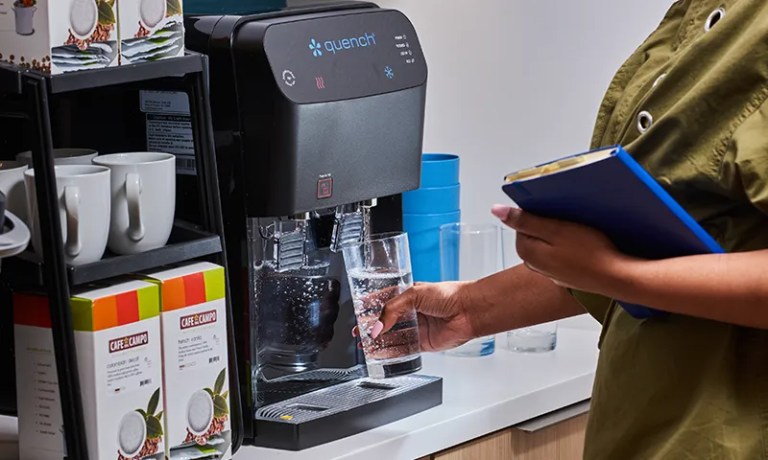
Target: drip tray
<point>343,410</point>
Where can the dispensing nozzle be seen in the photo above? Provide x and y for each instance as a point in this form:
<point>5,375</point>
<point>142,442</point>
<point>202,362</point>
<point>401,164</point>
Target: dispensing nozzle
<point>289,239</point>
<point>347,226</point>
<point>352,224</point>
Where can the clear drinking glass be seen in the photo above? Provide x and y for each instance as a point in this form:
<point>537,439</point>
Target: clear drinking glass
<point>469,252</point>
<point>532,339</point>
<point>380,269</point>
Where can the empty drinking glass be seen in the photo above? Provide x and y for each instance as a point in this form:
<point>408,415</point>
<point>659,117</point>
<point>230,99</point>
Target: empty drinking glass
<point>379,269</point>
<point>469,252</point>
<point>533,339</point>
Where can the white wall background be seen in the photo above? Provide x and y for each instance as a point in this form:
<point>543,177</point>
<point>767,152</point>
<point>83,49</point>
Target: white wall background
<point>517,82</point>
<point>514,83</point>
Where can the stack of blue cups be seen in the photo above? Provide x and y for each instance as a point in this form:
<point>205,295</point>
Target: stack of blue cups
<point>435,203</point>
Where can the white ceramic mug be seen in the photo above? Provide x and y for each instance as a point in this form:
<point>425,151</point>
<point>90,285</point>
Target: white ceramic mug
<point>62,157</point>
<point>143,200</point>
<point>12,186</point>
<point>84,207</point>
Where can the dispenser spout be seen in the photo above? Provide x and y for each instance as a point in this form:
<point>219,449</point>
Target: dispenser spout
<point>289,241</point>
<point>352,224</point>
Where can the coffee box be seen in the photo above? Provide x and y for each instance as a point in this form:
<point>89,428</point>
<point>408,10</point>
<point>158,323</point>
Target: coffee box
<point>195,371</point>
<point>150,30</point>
<point>59,36</point>
<point>119,358</point>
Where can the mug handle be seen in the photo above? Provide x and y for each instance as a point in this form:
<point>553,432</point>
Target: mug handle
<point>133,194</point>
<point>72,208</point>
<point>15,240</point>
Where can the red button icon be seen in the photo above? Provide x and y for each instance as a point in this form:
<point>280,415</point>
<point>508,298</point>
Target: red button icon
<point>320,82</point>
<point>325,188</point>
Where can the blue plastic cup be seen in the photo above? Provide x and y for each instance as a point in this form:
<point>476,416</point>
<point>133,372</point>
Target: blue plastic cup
<point>432,200</point>
<point>424,238</point>
<point>439,169</point>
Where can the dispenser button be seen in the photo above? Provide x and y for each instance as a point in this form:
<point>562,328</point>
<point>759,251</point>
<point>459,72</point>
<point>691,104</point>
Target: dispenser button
<point>325,188</point>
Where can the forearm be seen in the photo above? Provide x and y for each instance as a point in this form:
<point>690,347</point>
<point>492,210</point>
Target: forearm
<point>731,288</point>
<point>514,298</point>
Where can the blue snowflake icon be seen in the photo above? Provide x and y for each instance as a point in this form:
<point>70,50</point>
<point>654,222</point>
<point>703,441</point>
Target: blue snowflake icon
<point>389,72</point>
<point>317,49</point>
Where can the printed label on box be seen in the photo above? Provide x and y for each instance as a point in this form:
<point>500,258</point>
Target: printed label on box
<point>128,367</point>
<point>169,127</point>
<point>37,386</point>
<point>199,343</point>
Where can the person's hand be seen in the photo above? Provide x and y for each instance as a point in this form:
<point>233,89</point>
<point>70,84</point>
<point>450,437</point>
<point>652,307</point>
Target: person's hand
<point>441,309</point>
<point>570,254</point>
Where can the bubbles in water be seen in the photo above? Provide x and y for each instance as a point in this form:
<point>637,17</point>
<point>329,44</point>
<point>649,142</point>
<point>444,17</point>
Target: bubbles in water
<point>371,290</point>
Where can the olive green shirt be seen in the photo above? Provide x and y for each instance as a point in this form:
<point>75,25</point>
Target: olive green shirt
<point>689,105</point>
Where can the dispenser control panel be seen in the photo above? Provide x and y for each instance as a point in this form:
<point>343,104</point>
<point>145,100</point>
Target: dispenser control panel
<point>344,57</point>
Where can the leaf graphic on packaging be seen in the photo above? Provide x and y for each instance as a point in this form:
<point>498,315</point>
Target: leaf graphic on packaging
<point>209,391</point>
<point>162,40</point>
<point>225,395</point>
<point>220,408</point>
<point>111,3</point>
<point>153,401</point>
<point>159,415</point>
<point>219,382</point>
<point>173,7</point>
<point>143,414</point>
<point>160,54</point>
<point>154,428</point>
<point>106,14</point>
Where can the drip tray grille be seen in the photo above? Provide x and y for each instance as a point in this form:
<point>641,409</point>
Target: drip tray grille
<point>339,398</point>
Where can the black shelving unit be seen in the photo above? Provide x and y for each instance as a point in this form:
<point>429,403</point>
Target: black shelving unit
<point>186,243</point>
<point>30,98</point>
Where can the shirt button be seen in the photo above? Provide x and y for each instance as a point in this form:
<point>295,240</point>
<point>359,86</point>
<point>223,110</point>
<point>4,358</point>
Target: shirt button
<point>713,19</point>
<point>644,121</point>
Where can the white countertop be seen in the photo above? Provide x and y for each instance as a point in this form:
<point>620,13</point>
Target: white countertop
<point>480,396</point>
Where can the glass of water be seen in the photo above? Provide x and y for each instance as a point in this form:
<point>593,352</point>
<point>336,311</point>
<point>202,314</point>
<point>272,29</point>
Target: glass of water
<point>379,269</point>
<point>533,339</point>
<point>469,252</point>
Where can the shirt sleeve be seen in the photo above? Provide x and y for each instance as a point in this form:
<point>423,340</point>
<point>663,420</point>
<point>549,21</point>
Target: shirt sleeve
<point>744,169</point>
<point>597,306</point>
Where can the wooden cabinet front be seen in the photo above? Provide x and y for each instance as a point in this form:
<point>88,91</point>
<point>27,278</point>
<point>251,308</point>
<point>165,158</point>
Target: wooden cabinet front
<point>561,441</point>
